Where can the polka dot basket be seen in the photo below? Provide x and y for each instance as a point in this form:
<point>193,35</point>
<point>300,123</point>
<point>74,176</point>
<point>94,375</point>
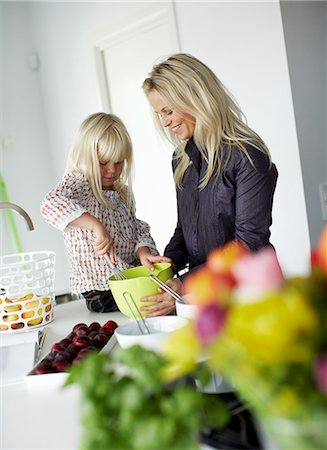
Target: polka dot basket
<point>27,296</point>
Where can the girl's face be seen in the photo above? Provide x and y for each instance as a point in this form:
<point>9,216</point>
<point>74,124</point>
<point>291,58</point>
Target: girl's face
<point>110,172</point>
<point>180,123</point>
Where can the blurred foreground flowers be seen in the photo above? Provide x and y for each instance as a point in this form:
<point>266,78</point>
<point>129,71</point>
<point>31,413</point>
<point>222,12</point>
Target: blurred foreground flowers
<point>266,334</point>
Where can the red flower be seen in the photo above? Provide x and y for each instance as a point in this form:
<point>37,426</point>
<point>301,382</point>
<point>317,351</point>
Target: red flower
<point>210,321</point>
<point>320,372</point>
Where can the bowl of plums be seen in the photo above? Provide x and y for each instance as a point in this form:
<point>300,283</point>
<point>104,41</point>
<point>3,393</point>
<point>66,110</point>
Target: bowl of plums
<point>81,341</point>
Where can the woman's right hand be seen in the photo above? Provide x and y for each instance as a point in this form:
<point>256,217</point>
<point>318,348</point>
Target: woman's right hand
<point>165,303</point>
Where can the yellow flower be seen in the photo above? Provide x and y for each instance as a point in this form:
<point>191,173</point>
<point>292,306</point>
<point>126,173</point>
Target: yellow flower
<point>285,402</point>
<point>182,349</point>
<point>275,329</point>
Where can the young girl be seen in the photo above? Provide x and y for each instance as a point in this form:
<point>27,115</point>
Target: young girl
<point>93,206</point>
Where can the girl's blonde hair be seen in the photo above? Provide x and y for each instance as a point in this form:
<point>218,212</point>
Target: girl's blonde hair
<point>188,85</point>
<point>102,137</point>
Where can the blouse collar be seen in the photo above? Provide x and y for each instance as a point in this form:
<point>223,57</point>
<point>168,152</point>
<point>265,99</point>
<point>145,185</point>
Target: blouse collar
<point>112,196</point>
<point>193,153</point>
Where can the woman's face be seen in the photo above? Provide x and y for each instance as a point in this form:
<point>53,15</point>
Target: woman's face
<point>110,172</point>
<point>180,123</point>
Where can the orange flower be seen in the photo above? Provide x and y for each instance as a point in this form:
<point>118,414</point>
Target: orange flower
<point>206,287</point>
<point>223,259</point>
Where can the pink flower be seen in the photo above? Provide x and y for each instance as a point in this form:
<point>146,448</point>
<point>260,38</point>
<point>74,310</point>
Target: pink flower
<point>210,321</point>
<point>258,272</point>
<point>320,372</point>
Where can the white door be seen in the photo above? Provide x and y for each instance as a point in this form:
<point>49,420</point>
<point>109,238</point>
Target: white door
<point>126,58</point>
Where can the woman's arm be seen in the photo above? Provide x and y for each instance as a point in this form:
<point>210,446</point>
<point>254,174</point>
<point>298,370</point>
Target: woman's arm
<point>176,249</point>
<point>254,191</point>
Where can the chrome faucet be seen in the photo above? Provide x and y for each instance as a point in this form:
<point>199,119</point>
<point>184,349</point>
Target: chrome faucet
<point>19,210</point>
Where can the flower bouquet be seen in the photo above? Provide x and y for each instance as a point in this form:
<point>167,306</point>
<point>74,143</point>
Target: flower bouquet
<point>267,335</point>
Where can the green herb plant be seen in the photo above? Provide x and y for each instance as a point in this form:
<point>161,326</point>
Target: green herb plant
<point>127,405</point>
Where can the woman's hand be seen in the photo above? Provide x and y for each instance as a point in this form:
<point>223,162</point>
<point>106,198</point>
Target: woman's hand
<point>165,303</point>
<point>147,259</point>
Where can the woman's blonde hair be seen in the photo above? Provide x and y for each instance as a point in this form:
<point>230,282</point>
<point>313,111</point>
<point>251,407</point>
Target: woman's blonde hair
<point>102,137</point>
<point>191,87</point>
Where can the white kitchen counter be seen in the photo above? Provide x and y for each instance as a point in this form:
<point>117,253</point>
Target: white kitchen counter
<point>43,415</point>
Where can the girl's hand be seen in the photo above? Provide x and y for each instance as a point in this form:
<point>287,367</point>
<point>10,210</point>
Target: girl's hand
<point>103,242</point>
<point>164,302</point>
<point>147,259</point>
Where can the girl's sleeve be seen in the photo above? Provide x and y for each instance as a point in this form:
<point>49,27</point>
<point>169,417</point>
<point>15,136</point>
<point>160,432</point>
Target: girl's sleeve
<point>62,205</point>
<point>255,186</point>
<point>144,238</point>
<point>142,231</point>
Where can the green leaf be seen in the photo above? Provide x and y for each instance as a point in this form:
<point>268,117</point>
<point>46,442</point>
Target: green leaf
<point>127,406</point>
<point>215,411</point>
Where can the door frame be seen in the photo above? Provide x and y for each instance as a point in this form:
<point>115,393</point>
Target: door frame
<point>108,39</point>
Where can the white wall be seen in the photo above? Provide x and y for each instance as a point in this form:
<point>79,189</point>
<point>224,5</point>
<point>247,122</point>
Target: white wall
<point>2,216</point>
<point>138,48</point>
<point>65,35</point>
<point>26,159</point>
<point>242,42</point>
<point>305,29</point>
<point>1,86</point>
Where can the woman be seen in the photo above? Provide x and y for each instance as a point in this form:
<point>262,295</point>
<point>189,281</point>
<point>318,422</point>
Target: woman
<point>225,180</point>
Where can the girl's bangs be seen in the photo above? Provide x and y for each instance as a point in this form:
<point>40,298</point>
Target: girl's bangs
<point>111,151</point>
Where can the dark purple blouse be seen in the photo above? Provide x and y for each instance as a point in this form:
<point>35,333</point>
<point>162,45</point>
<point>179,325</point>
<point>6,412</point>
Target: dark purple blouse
<point>235,205</point>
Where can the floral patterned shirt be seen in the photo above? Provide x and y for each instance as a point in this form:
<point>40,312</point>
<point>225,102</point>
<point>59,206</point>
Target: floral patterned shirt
<point>69,200</point>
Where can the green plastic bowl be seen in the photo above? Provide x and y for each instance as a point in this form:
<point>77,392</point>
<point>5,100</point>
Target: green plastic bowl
<point>138,285</point>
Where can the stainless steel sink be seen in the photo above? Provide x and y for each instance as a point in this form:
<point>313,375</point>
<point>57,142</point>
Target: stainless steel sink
<point>67,297</point>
